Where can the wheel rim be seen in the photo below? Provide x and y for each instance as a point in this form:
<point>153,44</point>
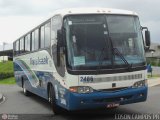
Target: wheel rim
<point>24,89</point>
<point>50,96</point>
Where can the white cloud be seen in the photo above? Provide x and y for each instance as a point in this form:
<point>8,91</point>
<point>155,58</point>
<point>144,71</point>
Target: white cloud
<point>12,27</point>
<point>19,16</point>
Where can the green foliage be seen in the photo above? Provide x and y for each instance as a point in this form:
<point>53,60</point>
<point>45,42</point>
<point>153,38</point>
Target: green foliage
<point>4,75</point>
<point>6,66</point>
<point>153,61</point>
<point>10,80</point>
<point>6,70</point>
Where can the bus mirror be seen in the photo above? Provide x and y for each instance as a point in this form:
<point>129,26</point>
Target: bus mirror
<point>147,38</point>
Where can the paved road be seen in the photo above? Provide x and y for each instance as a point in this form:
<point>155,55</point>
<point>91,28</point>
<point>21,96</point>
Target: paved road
<point>26,107</point>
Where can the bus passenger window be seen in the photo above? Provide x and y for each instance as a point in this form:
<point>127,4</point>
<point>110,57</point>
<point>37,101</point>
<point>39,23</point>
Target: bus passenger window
<point>27,43</point>
<point>21,45</point>
<point>33,41</point>
<point>47,34</point>
<point>36,46</point>
<point>42,37</point>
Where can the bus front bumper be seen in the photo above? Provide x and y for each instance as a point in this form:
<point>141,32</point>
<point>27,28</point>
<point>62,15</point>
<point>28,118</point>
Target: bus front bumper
<point>102,99</point>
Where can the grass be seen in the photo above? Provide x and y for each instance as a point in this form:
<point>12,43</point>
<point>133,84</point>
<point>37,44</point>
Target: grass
<point>8,81</point>
<point>6,66</point>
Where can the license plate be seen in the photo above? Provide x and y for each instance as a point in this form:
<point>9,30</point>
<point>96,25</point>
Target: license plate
<point>112,105</point>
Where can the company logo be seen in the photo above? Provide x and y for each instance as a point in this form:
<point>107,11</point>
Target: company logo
<point>9,117</point>
<point>39,61</point>
<point>4,116</point>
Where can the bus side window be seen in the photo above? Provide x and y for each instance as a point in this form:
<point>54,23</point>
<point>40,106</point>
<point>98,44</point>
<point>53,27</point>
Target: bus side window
<point>47,34</point>
<point>42,37</point>
<point>21,45</point>
<point>27,43</point>
<point>33,40</point>
<point>36,42</point>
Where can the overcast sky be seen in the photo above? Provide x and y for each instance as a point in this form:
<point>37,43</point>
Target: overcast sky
<point>19,16</point>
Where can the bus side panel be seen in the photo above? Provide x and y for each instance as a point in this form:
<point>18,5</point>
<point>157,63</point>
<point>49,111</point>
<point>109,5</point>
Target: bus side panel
<point>44,79</point>
<point>35,81</point>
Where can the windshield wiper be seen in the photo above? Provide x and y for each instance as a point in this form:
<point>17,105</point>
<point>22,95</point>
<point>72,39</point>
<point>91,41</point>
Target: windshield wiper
<point>117,52</point>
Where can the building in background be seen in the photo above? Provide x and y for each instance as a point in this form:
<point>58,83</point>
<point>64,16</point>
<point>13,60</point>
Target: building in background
<point>4,58</point>
<point>153,54</point>
<point>154,51</point>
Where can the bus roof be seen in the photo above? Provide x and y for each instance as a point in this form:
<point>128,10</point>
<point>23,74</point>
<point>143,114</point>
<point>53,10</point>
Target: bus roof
<point>71,11</point>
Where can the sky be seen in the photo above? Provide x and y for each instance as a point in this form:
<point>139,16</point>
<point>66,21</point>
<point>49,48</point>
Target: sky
<point>19,16</point>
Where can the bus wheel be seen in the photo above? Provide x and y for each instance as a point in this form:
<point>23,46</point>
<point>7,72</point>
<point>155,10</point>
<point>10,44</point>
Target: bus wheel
<point>25,91</point>
<point>52,100</point>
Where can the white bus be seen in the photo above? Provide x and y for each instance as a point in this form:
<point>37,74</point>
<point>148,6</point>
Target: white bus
<point>84,58</point>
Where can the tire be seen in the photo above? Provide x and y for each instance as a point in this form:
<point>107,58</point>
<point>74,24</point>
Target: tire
<point>25,91</point>
<point>52,100</point>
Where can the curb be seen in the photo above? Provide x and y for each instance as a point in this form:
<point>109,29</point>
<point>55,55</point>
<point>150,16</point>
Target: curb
<point>1,97</point>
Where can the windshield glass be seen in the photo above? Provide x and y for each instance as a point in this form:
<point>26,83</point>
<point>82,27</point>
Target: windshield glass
<point>91,39</point>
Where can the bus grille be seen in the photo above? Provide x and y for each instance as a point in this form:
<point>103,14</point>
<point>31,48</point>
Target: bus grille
<point>113,89</point>
<point>114,99</point>
<point>118,78</point>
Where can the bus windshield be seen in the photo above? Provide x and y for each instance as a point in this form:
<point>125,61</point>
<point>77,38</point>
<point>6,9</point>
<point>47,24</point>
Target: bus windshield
<point>91,39</point>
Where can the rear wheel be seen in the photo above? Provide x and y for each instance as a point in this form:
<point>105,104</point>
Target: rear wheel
<point>25,91</point>
<point>52,100</point>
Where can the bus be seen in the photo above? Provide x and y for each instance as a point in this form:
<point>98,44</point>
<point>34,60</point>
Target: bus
<point>84,58</point>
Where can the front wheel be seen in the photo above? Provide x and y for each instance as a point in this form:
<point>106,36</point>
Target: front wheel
<point>52,100</point>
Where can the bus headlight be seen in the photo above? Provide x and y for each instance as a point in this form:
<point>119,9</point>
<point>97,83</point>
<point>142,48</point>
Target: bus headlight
<point>81,89</point>
<point>140,84</point>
